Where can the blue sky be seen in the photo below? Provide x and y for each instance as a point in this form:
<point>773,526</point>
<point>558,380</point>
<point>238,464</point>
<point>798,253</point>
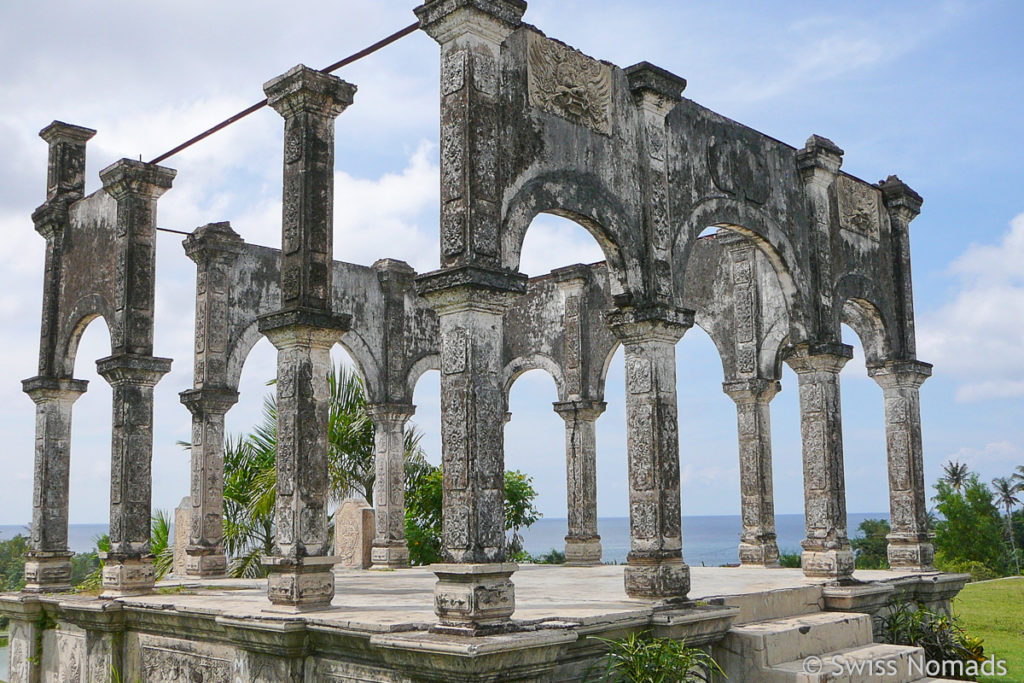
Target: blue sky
<point>933,91</point>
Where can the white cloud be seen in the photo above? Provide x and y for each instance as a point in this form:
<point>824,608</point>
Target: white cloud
<point>977,337</point>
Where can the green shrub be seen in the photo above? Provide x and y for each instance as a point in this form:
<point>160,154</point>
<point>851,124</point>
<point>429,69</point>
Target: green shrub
<point>552,556</point>
<point>643,658</point>
<point>942,638</point>
<point>789,560</point>
<point>871,547</point>
<point>977,570</point>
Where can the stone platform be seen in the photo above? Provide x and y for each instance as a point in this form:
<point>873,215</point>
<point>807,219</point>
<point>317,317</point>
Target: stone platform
<point>377,628</point>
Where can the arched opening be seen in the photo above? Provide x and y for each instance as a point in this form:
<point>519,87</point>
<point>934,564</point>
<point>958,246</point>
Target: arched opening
<point>553,241</point>
<point>426,396</point>
<point>613,463</point>
<point>535,446</point>
<point>788,467</point>
<point>708,462</point>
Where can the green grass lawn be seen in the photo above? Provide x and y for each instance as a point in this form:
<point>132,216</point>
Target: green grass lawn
<point>994,610</point>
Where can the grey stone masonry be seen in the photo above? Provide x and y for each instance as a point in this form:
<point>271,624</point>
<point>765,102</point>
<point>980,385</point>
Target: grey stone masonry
<point>649,336</point>
<point>910,544</point>
<point>215,249</point>
<point>389,545</point>
<point>826,548</point>
<point>303,331</point>
<point>582,542</point>
<point>48,564</point>
<point>757,503</point>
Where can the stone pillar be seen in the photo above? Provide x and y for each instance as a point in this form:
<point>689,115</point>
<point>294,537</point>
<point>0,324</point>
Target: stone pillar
<point>902,205</point>
<point>753,418</point>
<point>819,162</point>
<point>655,561</point>
<point>65,183</point>
<point>474,593</point>
<point>128,567</point>
<point>48,564</point>
<point>389,546</point>
<point>214,248</point>
<point>132,372</point>
<point>827,550</point>
<point>582,543</point>
<point>910,544</point>
<point>303,331</point>
<point>205,549</point>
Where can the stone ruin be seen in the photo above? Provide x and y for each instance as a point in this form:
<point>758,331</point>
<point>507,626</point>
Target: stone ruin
<point>528,125</point>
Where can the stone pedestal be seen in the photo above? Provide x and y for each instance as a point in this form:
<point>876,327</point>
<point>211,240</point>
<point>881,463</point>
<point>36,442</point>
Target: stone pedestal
<point>48,564</point>
<point>582,543</point>
<point>473,598</point>
<point>649,335</point>
<point>910,546</point>
<point>299,584</point>
<point>388,531</point>
<point>827,551</point>
<point>353,534</point>
<point>758,545</point>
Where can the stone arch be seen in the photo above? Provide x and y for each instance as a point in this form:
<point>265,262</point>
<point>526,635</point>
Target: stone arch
<point>366,365</point>
<point>766,234</point>
<point>606,365</point>
<point>584,199</point>
<point>535,361</point>
<point>722,346</point>
<point>82,313</point>
<point>868,323</point>
<point>417,369</point>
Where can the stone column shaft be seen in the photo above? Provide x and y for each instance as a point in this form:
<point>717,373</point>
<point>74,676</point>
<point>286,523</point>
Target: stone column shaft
<point>582,543</point>
<point>910,544</point>
<point>819,162</point>
<point>903,205</point>
<point>48,565</point>
<point>656,568</point>
<point>205,549</point>
<point>753,418</point>
<point>128,568</point>
<point>827,548</point>
<point>389,545</point>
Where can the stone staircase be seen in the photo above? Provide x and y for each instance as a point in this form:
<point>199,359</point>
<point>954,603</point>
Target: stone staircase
<point>814,647</point>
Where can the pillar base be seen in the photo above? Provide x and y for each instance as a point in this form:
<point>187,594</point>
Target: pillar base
<point>204,563</point>
<point>759,554</point>
<point>583,552</point>
<point>389,556</point>
<point>474,599</point>
<point>126,576</point>
<point>907,555</point>
<point>830,564</point>
<point>302,584</point>
<point>47,572</point>
<point>667,579</point>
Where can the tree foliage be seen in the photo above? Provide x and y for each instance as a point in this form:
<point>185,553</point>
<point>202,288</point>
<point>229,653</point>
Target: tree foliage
<point>871,548</point>
<point>970,529</point>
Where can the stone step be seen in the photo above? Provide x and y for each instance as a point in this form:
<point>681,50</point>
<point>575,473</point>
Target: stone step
<point>783,640</point>
<point>863,664</point>
<point>775,604</point>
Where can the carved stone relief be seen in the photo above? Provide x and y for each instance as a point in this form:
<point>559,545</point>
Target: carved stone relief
<point>567,83</point>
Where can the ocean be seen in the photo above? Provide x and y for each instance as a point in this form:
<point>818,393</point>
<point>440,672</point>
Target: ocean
<point>709,541</point>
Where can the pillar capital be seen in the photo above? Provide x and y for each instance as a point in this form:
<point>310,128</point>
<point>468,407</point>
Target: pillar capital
<point>819,160</point>
<point>50,218</point>
<point>572,277</point>
<point>471,288</point>
<point>127,368</point>
<point>65,176</point>
<point>130,178</point>
<point>655,88</point>
<point>756,390</point>
<point>45,389</point>
<point>900,199</point>
<point>303,327</point>
<point>209,400</point>
<point>302,90</point>
<point>212,238</point>
<point>634,324</point>
<point>586,409</point>
<point>807,357</point>
<point>908,374</point>
<point>394,270</point>
<point>390,412</point>
<point>488,20</point>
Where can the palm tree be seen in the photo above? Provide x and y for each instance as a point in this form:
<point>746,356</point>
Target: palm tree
<point>955,474</point>
<point>1018,478</point>
<point>1006,495</point>
<point>250,474</point>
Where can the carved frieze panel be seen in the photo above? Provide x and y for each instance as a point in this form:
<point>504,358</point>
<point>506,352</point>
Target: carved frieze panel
<point>567,83</point>
<point>858,207</point>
